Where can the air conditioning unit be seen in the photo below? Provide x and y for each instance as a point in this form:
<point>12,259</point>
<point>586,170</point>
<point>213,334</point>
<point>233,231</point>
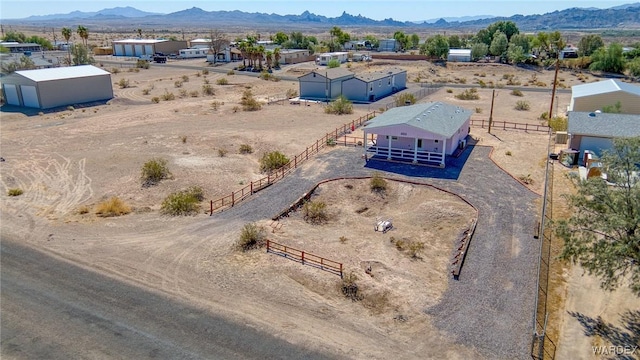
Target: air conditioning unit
<point>561,137</point>
<point>462,144</point>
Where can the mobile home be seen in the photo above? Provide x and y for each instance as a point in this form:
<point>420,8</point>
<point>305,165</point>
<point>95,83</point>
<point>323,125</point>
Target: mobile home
<point>323,59</point>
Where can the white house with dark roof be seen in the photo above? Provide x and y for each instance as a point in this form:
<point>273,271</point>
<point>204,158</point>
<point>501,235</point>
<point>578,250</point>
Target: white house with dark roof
<point>49,88</point>
<point>595,96</point>
<point>421,134</point>
<point>595,131</point>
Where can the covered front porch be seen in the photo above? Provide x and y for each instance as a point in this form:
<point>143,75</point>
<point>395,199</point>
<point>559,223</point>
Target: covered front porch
<point>420,151</point>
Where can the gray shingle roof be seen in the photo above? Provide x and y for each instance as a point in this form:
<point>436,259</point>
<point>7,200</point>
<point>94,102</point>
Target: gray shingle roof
<point>604,124</point>
<point>436,117</point>
<point>333,73</point>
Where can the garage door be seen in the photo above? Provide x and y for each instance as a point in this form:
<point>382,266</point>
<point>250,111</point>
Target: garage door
<point>595,144</point>
<point>11,94</point>
<point>128,49</point>
<point>148,49</point>
<point>30,96</point>
<point>138,50</point>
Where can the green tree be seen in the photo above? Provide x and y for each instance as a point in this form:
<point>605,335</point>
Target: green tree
<point>499,44</point>
<point>80,55</point>
<point>15,36</point>
<point>139,31</point>
<point>373,41</point>
<point>455,42</point>
<point>402,39</point>
<point>515,54</point>
<point>84,34</point>
<point>414,41</point>
<point>479,51</point>
<point>45,43</point>
<point>437,46</point>
<point>589,44</point>
<point>608,59</point>
<point>333,63</point>
<point>522,40</point>
<point>603,233</point>
<point>280,38</point>
<point>633,67</point>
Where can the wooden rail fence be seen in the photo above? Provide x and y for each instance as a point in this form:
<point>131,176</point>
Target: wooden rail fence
<point>304,258</point>
<point>506,125</point>
<point>328,139</point>
<point>461,251</point>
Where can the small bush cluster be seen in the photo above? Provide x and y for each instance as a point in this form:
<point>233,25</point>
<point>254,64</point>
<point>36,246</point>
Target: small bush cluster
<point>15,192</point>
<point>222,81</point>
<point>154,171</point>
<point>115,70</point>
<point>291,93</point>
<point>315,212</point>
<point>245,149</point>
<point>405,99</point>
<point>516,92</point>
<point>252,236</point>
<point>522,105</point>
<point>377,183</point>
<point>231,72</point>
<point>249,103</point>
<point>222,152</point>
<point>123,83</point>
<point>185,78</point>
<point>142,64</point>
<point>216,104</point>
<point>350,287</point>
<point>168,96</point>
<point>273,161</point>
<point>526,179</point>
<point>185,202</point>
<point>469,94</point>
<point>112,207</point>
<point>177,84</point>
<point>559,123</point>
<point>194,93</point>
<point>207,90</point>
<point>155,99</point>
<point>205,72</point>
<point>340,106</point>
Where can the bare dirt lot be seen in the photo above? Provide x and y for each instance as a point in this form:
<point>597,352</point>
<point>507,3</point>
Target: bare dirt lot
<point>70,159</point>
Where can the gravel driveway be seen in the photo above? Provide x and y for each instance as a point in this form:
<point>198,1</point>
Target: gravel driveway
<point>490,307</point>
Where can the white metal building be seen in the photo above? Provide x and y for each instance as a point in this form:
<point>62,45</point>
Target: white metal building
<point>459,55</point>
<point>49,88</point>
<point>594,96</point>
<point>324,58</point>
<point>139,47</point>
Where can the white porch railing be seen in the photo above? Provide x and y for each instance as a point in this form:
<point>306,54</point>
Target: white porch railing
<point>407,154</point>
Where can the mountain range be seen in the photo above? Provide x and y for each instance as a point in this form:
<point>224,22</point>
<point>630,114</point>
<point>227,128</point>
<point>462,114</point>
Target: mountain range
<point>624,16</point>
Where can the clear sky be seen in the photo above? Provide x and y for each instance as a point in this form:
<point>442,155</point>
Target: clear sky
<point>402,10</point>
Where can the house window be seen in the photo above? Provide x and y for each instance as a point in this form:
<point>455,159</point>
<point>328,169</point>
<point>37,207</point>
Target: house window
<point>389,82</point>
<point>419,143</point>
<point>436,141</point>
<point>392,138</point>
<point>314,74</point>
<point>371,88</point>
<point>379,83</point>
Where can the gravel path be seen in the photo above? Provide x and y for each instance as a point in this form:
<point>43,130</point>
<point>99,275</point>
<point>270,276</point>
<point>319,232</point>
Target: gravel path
<point>490,307</point>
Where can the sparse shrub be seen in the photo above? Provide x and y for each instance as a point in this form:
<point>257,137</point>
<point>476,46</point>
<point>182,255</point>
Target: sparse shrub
<point>154,171</point>
<point>449,91</point>
<point>273,161</point>
<point>215,104</point>
<point>222,152</point>
<point>343,239</point>
<point>177,84</point>
<point>252,237</point>
<point>415,249</point>
<point>516,92</point>
<point>544,116</point>
<point>235,109</point>
<point>462,80</point>
<point>112,207</point>
<point>508,153</point>
<point>526,179</point>
<point>315,212</point>
<point>404,99</point>
<point>185,78</point>
<point>194,93</point>
<point>142,64</point>
<point>522,105</point>
<point>333,63</point>
<point>291,93</point>
<point>361,210</point>
<point>331,142</point>
<point>207,90</point>
<point>249,103</point>
<point>123,83</point>
<point>482,75</point>
<point>231,72</point>
<point>182,94</point>
<point>205,72</point>
<point>469,94</point>
<point>245,149</point>
<point>155,99</point>
<point>115,70</point>
<point>206,81</point>
<point>482,84</point>
<point>478,110</point>
<point>222,81</point>
<point>84,209</point>
<point>168,96</point>
<point>146,91</point>
<point>378,183</point>
<point>350,287</point>
<point>558,123</point>
<point>340,106</point>
<point>134,70</point>
<point>400,243</point>
<point>183,203</point>
<point>15,192</point>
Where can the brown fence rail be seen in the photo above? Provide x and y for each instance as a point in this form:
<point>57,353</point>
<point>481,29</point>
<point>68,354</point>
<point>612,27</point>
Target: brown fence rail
<point>304,258</point>
<point>506,125</point>
<point>328,139</point>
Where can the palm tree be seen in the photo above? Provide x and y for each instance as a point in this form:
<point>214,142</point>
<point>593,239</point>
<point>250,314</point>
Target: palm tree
<point>83,33</point>
<point>260,55</point>
<point>242,46</point>
<point>139,31</point>
<point>276,57</point>
<point>269,58</point>
<point>66,34</point>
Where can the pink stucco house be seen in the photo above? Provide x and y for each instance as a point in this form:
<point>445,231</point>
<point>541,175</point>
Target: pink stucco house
<point>422,134</point>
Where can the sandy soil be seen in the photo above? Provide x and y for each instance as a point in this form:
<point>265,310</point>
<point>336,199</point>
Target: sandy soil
<point>71,159</point>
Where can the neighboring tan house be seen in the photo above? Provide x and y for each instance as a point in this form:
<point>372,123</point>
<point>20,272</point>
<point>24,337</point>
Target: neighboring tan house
<point>595,96</point>
<point>323,85</point>
<point>595,131</point>
<point>371,87</point>
<point>49,88</point>
<point>140,47</point>
<point>420,134</point>
<point>295,56</point>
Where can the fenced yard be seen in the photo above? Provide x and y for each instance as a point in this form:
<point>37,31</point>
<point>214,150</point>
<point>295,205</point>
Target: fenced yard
<point>305,258</point>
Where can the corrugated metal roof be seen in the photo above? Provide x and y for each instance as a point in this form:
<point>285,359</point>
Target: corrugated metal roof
<point>332,74</point>
<point>373,76</point>
<point>460,52</point>
<point>59,73</point>
<point>603,124</point>
<point>601,87</point>
<point>139,41</point>
<point>436,117</point>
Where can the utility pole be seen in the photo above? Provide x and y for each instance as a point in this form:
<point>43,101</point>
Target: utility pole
<point>493,96</point>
